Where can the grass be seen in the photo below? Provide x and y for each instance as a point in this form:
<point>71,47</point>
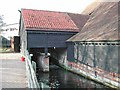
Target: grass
<point>5,50</point>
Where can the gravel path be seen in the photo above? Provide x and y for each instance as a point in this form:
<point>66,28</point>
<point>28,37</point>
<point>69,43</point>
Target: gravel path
<point>12,71</point>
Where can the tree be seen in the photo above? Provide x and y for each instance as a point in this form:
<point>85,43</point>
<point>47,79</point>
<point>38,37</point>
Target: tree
<point>1,21</point>
<point>1,37</point>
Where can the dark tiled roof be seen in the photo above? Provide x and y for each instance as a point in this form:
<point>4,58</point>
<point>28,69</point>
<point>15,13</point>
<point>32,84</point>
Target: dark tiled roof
<point>102,24</point>
<point>49,20</point>
<point>79,19</point>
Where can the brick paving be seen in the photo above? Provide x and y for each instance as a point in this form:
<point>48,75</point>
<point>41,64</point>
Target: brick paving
<point>13,71</point>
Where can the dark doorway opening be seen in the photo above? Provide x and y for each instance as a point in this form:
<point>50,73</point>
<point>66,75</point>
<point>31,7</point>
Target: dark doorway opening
<point>54,54</point>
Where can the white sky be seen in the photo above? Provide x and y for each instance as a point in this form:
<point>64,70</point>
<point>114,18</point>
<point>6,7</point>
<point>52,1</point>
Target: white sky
<point>9,8</point>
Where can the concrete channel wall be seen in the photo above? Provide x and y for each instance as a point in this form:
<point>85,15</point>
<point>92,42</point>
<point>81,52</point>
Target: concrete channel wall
<point>30,72</point>
<point>97,74</point>
<point>103,77</point>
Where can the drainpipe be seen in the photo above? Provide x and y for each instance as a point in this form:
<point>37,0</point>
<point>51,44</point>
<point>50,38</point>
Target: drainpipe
<point>46,46</point>
<point>46,51</point>
<point>94,57</point>
<point>94,61</point>
<point>77,52</point>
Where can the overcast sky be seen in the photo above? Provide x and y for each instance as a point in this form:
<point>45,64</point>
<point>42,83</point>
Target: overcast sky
<point>9,8</point>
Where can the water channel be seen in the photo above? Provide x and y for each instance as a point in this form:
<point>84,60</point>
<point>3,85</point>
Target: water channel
<point>58,77</point>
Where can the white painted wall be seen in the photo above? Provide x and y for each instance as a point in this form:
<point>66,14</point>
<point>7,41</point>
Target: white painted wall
<point>10,31</point>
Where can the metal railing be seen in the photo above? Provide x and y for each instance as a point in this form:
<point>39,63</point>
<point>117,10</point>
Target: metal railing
<point>30,72</point>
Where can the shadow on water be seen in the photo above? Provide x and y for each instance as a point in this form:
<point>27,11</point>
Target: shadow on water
<point>57,77</point>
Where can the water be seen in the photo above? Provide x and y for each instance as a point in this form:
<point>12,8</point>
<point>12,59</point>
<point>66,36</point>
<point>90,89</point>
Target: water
<point>57,77</point>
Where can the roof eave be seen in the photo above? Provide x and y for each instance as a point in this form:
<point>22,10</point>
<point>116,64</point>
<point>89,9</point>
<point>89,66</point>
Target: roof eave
<point>51,29</point>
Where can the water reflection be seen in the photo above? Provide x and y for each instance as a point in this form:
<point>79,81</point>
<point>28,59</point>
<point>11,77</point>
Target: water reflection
<point>60,78</point>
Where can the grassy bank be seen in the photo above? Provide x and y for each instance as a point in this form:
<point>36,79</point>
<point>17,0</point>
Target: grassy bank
<point>5,50</point>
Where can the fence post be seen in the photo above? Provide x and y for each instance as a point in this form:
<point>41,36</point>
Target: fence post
<point>34,66</point>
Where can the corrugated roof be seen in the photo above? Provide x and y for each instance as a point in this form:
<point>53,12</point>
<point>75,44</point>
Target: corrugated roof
<point>49,20</point>
<point>102,24</point>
